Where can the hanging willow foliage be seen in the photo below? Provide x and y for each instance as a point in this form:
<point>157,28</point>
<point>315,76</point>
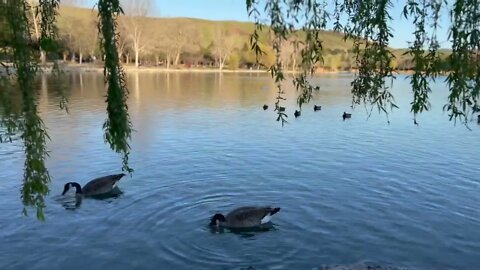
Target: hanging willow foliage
<point>27,122</point>
<point>464,79</point>
<point>366,23</point>
<point>31,126</point>
<point>118,127</point>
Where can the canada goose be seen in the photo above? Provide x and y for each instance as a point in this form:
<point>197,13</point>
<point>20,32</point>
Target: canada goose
<point>265,107</point>
<point>317,108</point>
<point>297,113</point>
<point>97,186</point>
<point>346,115</point>
<point>244,217</point>
<point>281,109</point>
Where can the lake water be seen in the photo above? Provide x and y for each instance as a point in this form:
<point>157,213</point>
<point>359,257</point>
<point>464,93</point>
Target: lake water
<point>350,190</point>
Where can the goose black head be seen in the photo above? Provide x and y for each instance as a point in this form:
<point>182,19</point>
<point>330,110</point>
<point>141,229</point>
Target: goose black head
<point>78,188</point>
<point>217,219</point>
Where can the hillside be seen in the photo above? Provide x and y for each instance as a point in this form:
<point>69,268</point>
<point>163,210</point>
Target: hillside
<point>185,42</point>
<point>332,40</point>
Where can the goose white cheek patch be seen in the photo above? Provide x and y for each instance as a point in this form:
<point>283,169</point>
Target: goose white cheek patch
<point>266,219</point>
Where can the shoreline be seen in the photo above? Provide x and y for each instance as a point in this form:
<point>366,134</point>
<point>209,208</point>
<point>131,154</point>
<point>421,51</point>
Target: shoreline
<point>75,67</point>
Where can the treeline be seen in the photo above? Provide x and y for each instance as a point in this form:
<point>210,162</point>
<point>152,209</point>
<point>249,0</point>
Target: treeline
<point>189,43</point>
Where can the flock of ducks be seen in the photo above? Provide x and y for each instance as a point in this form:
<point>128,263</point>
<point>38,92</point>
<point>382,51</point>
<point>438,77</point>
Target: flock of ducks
<point>298,113</point>
<point>345,115</point>
<point>240,218</point>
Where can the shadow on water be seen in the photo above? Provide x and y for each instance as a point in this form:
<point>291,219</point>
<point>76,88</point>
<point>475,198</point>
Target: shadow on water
<point>245,232</point>
<point>74,202</point>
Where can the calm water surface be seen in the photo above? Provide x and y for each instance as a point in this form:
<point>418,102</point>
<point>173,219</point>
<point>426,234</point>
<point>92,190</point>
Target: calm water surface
<point>349,191</point>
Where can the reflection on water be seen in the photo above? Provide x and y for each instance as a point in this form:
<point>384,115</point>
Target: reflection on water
<point>349,190</point>
<point>245,232</point>
<point>73,201</point>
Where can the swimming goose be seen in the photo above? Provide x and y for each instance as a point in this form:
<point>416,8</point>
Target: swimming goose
<point>244,217</point>
<point>317,108</point>
<point>297,113</point>
<point>97,186</point>
<point>265,107</point>
<point>346,115</point>
<point>281,109</point>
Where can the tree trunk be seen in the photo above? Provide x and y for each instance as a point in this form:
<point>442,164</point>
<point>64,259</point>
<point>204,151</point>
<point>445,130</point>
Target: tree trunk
<point>168,61</point>
<point>128,58</point>
<point>80,58</point>
<point>177,57</point>
<point>119,52</point>
<point>65,56</point>
<point>43,55</point>
<point>221,62</point>
<point>294,65</point>
<point>136,57</point>
<point>73,57</point>
<point>157,60</point>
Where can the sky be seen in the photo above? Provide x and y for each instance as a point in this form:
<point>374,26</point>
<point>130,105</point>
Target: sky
<point>236,10</point>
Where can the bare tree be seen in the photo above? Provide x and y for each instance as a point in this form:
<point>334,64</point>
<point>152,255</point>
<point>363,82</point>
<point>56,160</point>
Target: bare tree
<point>223,46</point>
<point>174,39</point>
<point>290,52</point>
<point>80,35</point>
<point>35,15</point>
<point>185,39</point>
<point>123,43</point>
<point>134,24</point>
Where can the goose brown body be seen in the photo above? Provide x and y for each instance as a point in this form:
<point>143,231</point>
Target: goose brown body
<point>245,217</point>
<point>97,186</point>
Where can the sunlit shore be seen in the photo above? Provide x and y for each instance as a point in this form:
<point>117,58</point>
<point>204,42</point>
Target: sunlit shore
<point>161,69</point>
<point>88,67</point>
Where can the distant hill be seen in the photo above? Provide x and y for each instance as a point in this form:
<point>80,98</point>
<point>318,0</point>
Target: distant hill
<point>331,40</point>
<point>197,42</point>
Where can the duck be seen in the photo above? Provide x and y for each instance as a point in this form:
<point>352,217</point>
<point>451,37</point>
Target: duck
<point>346,115</point>
<point>281,109</point>
<point>297,113</point>
<point>317,108</point>
<point>244,217</point>
<point>97,186</point>
<point>265,107</point>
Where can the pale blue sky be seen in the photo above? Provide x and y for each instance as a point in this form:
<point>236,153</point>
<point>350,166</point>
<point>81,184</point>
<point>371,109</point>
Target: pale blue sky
<point>236,10</point>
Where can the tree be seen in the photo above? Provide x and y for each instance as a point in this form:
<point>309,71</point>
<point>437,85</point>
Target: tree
<point>134,23</point>
<point>223,46</point>
<point>80,35</point>
<point>185,39</point>
<point>35,18</point>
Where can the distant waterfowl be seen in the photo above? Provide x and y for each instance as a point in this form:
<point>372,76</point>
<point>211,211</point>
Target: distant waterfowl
<point>317,108</point>
<point>97,186</point>
<point>244,217</point>
<point>346,115</point>
<point>281,109</point>
<point>265,107</point>
<point>478,120</point>
<point>297,113</point>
